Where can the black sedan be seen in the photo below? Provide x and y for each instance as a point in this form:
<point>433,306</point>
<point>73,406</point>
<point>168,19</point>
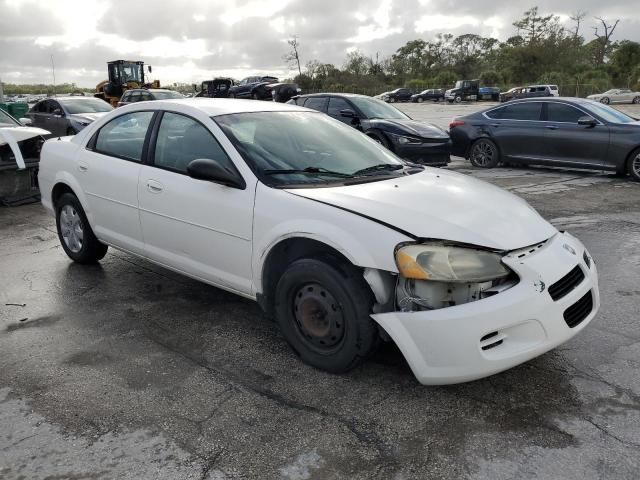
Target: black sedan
<point>433,94</point>
<point>418,142</point>
<point>567,132</point>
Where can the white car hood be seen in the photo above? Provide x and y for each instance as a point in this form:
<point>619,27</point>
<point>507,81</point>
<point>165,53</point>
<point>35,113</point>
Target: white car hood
<point>13,135</point>
<point>438,204</point>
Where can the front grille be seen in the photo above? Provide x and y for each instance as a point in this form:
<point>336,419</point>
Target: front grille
<point>566,284</point>
<point>580,310</point>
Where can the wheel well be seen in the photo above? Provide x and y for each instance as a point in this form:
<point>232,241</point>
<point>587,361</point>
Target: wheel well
<point>288,251</point>
<point>58,190</point>
<point>630,157</point>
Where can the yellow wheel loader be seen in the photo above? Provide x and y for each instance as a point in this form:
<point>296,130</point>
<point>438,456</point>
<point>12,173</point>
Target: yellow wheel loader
<point>123,75</point>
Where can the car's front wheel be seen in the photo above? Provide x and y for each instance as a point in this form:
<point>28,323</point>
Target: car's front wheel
<point>484,154</point>
<point>458,99</point>
<point>75,234</point>
<point>636,100</point>
<point>322,307</point>
<point>605,100</point>
<point>380,138</point>
<point>420,99</point>
<point>633,167</point>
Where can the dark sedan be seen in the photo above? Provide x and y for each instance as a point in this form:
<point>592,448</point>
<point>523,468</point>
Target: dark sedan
<point>433,94</point>
<point>67,115</point>
<point>418,142</point>
<point>567,132</point>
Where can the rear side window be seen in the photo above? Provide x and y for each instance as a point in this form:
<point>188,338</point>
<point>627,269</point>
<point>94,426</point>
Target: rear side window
<point>559,112</point>
<point>522,111</point>
<point>182,139</point>
<point>317,103</point>
<point>123,137</point>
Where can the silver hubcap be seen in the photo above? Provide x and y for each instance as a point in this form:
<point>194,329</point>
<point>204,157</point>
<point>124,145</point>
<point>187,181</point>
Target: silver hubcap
<point>71,228</point>
<point>635,165</point>
<point>483,153</point>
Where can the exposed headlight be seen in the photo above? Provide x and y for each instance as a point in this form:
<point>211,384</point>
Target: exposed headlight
<point>442,263</point>
<point>402,140</point>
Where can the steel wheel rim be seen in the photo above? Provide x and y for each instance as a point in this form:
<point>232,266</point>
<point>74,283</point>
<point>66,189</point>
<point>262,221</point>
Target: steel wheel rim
<point>605,101</point>
<point>71,228</point>
<point>318,318</point>
<point>483,153</point>
<point>635,165</point>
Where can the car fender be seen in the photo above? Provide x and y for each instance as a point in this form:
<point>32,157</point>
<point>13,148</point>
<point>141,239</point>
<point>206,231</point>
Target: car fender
<point>70,181</point>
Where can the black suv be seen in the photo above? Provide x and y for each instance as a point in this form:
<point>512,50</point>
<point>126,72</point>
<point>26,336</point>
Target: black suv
<point>397,95</point>
<point>433,94</point>
<point>418,142</point>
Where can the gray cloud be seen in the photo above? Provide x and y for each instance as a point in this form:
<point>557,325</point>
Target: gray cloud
<point>196,42</point>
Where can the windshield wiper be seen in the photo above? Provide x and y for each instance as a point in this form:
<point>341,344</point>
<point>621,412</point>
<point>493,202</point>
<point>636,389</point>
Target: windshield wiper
<point>307,171</point>
<point>383,167</point>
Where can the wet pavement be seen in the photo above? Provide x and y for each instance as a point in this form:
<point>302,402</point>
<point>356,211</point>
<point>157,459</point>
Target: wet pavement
<point>126,370</point>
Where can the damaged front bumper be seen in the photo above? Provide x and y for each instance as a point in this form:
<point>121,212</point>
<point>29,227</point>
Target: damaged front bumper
<point>474,340</point>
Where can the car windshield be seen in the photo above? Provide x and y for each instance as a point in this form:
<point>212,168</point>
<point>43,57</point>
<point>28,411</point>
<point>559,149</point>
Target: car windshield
<point>610,114</point>
<point>167,95</point>
<point>610,92</point>
<point>85,105</point>
<point>424,92</point>
<point>373,108</point>
<point>306,148</point>
<point>6,120</point>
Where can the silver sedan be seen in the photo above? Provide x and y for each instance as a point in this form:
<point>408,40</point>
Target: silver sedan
<point>616,95</point>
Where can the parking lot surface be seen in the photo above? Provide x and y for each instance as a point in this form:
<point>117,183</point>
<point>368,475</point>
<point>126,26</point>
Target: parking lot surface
<point>126,370</point>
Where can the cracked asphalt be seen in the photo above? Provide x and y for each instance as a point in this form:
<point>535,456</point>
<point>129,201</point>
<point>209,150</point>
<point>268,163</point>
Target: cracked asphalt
<point>126,370</point>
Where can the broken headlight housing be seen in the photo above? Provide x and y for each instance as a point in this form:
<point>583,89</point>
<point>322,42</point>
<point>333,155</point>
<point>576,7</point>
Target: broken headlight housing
<point>437,275</point>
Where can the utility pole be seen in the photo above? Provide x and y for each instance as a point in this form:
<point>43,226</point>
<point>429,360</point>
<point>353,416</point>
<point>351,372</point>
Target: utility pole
<point>1,92</point>
<point>53,71</point>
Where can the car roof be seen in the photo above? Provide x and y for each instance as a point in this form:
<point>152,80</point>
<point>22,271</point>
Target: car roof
<point>150,90</point>
<point>224,106</point>
<point>324,94</point>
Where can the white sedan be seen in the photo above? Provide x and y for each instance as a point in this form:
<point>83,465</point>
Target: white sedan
<point>342,242</point>
<point>616,95</point>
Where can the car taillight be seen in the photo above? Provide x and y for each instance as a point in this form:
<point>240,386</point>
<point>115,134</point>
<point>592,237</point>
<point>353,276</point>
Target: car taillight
<point>455,123</point>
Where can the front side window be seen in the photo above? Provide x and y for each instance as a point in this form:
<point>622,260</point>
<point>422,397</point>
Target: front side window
<point>559,112</point>
<point>124,136</point>
<point>337,104</point>
<point>181,140</point>
<point>302,148</point>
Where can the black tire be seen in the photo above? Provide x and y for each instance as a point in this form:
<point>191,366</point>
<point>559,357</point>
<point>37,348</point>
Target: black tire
<point>484,154</point>
<point>71,131</point>
<point>605,100</point>
<point>381,139</point>
<point>232,95</point>
<point>420,99</point>
<point>633,165</point>
<point>83,246</point>
<point>636,100</point>
<point>255,96</point>
<point>458,99</point>
<point>324,300</point>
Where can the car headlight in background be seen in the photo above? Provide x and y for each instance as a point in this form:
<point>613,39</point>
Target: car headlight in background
<point>442,263</point>
<point>402,140</point>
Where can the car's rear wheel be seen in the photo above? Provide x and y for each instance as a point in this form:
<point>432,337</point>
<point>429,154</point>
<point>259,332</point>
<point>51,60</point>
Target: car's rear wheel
<point>484,154</point>
<point>322,307</point>
<point>75,234</point>
<point>605,100</point>
<point>633,165</point>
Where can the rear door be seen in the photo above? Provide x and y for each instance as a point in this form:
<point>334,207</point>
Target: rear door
<point>109,171</point>
<point>569,144</point>
<point>517,128</point>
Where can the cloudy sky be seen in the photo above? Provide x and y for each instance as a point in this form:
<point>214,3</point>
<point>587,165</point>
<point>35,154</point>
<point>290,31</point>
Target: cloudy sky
<point>191,40</point>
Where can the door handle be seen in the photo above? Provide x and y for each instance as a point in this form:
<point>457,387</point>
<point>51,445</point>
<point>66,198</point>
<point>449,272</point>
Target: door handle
<point>83,167</point>
<point>154,187</point>
<point>552,127</point>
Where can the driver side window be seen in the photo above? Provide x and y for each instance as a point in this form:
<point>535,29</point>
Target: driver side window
<point>181,140</point>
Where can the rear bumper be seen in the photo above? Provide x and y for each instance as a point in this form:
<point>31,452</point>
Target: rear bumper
<point>445,346</point>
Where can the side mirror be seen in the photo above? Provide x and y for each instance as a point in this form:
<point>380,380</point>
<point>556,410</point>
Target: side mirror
<point>587,121</point>
<point>58,113</point>
<point>348,113</point>
<point>213,171</point>
<point>26,122</point>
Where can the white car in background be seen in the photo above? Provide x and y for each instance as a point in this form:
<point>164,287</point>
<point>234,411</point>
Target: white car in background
<point>616,95</point>
<point>345,244</point>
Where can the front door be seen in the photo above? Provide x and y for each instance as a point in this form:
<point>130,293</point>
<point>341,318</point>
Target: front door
<point>109,173</point>
<point>198,227</point>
